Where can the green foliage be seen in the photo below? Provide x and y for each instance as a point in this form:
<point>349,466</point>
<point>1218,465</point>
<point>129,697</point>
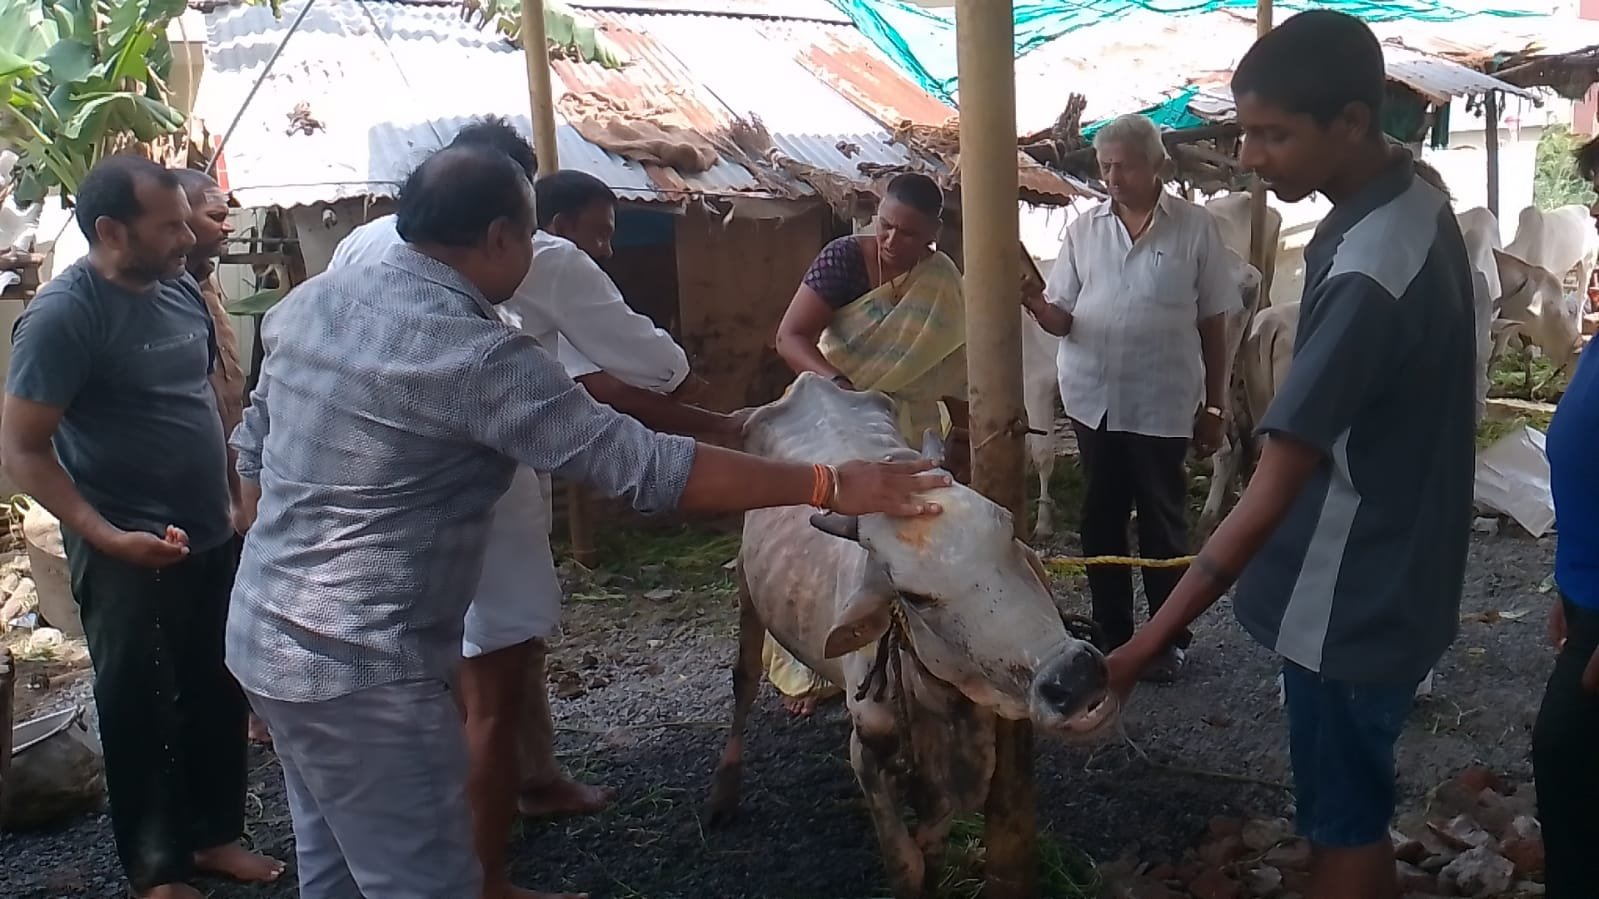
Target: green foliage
<point>571,35</point>
<point>77,75</point>
<point>1555,181</point>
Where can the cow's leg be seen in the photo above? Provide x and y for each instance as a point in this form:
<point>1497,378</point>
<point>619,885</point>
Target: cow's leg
<point>902,858</point>
<point>723,803</point>
<point>1224,466</point>
<point>1042,451</point>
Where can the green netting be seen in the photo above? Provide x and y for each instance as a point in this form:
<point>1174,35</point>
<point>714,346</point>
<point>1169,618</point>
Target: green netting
<point>921,41</point>
<point>1173,114</point>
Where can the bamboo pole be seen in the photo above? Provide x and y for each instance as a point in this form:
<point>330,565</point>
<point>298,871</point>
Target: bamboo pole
<point>1490,109</point>
<point>540,92</point>
<point>984,39</point>
<point>541,101</point>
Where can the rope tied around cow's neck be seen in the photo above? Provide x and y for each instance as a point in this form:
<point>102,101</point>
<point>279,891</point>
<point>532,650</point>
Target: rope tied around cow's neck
<point>894,639</point>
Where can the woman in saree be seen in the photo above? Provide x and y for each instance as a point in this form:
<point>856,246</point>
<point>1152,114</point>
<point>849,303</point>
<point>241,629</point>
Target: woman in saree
<point>881,311</point>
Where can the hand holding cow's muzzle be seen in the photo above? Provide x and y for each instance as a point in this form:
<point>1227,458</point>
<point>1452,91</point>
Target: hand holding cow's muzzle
<point>890,487</point>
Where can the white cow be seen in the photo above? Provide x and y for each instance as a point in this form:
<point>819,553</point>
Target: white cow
<point>1232,218</point>
<point>1534,306</point>
<point>1268,348</point>
<point>1560,240</point>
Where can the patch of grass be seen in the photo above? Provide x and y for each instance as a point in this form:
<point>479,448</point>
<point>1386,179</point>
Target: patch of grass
<point>1064,872</point>
<point>1492,429</point>
<point>682,555</point>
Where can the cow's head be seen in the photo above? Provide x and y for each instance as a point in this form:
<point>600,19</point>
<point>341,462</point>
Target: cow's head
<point>1532,297</point>
<point>977,609</point>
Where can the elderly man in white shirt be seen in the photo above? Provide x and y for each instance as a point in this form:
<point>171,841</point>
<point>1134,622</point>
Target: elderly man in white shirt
<point>573,309</point>
<point>1140,293</point>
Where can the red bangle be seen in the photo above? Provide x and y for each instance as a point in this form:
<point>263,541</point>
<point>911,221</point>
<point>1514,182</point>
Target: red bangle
<point>819,486</point>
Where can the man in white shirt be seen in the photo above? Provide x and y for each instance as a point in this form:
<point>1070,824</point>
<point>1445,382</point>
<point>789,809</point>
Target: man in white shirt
<point>1140,293</point>
<point>574,311</point>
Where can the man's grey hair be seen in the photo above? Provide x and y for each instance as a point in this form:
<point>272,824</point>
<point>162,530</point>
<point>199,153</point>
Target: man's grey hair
<point>1136,132</point>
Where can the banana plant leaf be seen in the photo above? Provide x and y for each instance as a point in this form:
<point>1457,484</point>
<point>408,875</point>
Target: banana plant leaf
<point>256,303</point>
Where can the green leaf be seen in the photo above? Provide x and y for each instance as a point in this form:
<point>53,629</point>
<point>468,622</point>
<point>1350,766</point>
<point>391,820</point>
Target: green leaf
<point>256,303</point>
<point>24,31</point>
<point>130,59</point>
<point>13,66</point>
<point>126,16</point>
<point>69,60</point>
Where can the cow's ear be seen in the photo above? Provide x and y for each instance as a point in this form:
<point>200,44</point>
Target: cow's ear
<point>933,446</point>
<point>865,617</point>
<point>1035,563</point>
<point>844,527</point>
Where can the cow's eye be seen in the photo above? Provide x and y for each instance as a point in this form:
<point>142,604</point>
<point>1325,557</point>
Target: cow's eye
<point>918,599</point>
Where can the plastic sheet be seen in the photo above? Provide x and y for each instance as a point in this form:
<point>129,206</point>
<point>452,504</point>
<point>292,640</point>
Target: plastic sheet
<point>1513,479</point>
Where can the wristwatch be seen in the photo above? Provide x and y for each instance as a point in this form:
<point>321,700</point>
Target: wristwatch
<point>1216,411</point>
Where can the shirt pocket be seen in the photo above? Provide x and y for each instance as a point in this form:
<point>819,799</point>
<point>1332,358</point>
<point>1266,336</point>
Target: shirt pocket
<point>166,362</point>
<point>1170,281</point>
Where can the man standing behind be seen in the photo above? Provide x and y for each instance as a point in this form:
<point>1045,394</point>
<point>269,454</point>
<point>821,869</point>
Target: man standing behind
<point>1351,536</point>
<point>1140,292</point>
<point>208,219</point>
<point>112,423</point>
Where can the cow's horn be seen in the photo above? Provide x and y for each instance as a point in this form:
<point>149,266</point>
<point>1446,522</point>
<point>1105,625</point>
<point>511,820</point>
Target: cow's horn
<point>844,527</point>
<point>933,446</point>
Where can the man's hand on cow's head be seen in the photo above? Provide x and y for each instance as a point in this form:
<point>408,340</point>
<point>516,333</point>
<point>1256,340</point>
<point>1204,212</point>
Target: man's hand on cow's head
<point>891,487</point>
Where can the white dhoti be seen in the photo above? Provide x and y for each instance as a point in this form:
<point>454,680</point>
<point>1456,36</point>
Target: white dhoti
<point>518,596</point>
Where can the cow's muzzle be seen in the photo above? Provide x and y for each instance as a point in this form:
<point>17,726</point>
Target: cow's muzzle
<point>1070,692</point>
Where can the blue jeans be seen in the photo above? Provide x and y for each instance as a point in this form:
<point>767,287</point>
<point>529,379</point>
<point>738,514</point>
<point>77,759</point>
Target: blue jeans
<point>1341,738</point>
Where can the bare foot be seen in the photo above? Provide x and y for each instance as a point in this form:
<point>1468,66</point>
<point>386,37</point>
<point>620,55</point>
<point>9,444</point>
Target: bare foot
<point>172,891</point>
<point>258,731</point>
<point>239,863</point>
<point>800,706</point>
<point>564,798</point>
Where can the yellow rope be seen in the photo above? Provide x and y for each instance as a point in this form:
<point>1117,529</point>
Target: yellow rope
<point>1070,562</point>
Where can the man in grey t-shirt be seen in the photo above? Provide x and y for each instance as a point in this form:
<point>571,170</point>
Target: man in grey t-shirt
<point>111,423</point>
<point>1351,537</point>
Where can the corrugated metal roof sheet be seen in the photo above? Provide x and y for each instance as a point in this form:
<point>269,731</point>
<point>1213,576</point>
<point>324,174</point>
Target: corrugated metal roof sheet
<point>390,82</point>
<point>1145,58</point>
<point>1477,40</point>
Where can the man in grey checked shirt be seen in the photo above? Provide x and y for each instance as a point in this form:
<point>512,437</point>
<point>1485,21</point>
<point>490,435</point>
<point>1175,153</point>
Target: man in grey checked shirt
<point>391,412</point>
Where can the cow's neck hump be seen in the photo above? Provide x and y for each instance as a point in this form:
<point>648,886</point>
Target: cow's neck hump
<point>818,421</point>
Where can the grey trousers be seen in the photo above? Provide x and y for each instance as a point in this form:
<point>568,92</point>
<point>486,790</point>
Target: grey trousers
<point>377,788</point>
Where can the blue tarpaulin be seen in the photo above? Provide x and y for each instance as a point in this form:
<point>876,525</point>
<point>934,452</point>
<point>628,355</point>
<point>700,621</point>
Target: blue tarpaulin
<point>921,41</point>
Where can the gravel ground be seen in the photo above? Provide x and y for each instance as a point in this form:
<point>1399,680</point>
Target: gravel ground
<point>642,672</point>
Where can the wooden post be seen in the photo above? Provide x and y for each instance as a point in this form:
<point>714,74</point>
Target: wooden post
<point>984,36</point>
<point>540,92</point>
<point>541,102</point>
<point>1258,251</point>
<point>1490,133</point>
